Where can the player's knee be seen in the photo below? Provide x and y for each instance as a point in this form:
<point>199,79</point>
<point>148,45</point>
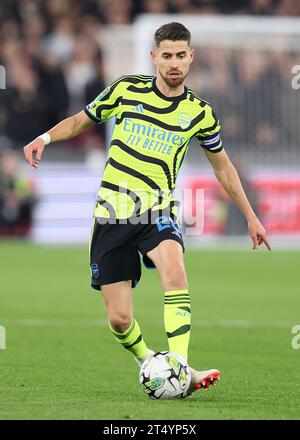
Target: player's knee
<point>175,279</point>
<point>120,322</point>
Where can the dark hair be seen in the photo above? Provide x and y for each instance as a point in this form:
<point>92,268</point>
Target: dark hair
<point>172,31</point>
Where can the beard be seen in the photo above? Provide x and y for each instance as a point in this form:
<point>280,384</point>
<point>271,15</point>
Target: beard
<point>173,83</point>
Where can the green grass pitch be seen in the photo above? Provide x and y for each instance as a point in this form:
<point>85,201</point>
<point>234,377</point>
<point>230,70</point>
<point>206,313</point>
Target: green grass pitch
<point>61,361</point>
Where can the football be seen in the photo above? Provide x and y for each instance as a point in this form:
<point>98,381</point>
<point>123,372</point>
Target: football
<point>165,375</point>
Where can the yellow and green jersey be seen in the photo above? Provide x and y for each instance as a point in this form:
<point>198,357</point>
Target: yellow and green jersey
<point>150,139</point>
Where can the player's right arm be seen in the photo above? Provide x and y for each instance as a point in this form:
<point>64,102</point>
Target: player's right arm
<point>64,130</point>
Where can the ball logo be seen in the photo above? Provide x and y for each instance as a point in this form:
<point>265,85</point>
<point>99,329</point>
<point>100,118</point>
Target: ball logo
<point>155,384</point>
<point>183,379</point>
<point>184,120</point>
<point>174,364</point>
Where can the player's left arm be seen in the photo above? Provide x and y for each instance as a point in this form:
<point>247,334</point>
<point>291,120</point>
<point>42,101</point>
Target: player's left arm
<point>230,181</point>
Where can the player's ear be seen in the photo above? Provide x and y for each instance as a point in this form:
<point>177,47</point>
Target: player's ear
<point>153,55</point>
<point>192,54</point>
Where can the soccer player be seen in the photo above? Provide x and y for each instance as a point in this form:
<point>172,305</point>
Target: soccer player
<point>155,120</point>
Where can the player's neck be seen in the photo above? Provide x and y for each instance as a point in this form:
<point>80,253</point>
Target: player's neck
<point>168,91</point>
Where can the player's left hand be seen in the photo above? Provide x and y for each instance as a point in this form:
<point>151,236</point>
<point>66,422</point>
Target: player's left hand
<point>258,233</point>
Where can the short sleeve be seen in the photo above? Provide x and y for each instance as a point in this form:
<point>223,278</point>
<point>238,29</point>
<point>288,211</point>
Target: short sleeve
<point>209,133</point>
<point>106,104</point>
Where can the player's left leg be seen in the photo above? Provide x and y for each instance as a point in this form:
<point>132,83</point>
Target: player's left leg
<point>168,259</point>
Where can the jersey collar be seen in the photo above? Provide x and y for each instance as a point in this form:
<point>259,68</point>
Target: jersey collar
<point>168,98</point>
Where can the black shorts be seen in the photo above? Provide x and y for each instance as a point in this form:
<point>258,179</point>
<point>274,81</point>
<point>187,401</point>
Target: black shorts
<point>114,248</point>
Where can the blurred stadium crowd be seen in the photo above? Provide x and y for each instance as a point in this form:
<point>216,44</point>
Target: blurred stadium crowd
<point>55,62</point>
<point>54,66</point>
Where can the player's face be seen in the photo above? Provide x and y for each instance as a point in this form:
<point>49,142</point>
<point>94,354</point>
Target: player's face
<point>173,59</point>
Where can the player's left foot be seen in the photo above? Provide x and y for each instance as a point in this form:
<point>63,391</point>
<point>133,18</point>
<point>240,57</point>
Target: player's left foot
<point>203,379</point>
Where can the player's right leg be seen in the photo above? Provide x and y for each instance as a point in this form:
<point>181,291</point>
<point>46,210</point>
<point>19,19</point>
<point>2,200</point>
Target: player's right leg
<point>117,299</point>
<point>116,269</point>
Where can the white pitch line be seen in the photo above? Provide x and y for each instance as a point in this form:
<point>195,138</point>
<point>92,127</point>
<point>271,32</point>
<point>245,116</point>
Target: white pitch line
<point>222,323</point>
<point>42,322</point>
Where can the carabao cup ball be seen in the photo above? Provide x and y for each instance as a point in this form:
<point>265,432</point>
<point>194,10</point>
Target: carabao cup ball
<point>165,375</point>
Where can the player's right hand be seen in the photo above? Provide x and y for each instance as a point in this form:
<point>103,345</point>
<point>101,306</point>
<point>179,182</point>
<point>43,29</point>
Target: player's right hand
<point>33,152</point>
